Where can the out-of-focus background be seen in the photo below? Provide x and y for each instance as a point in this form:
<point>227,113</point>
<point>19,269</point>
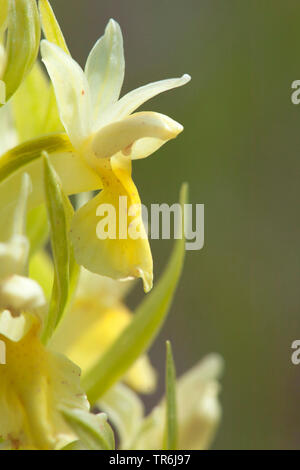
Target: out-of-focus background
<point>239,295</point>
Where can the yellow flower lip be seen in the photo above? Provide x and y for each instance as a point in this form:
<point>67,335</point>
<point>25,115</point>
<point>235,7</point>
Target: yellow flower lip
<point>121,135</point>
<point>35,382</point>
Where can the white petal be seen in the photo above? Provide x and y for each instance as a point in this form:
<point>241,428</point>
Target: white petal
<point>105,68</point>
<point>134,99</point>
<point>71,90</point>
<point>123,135</point>
<point>18,293</point>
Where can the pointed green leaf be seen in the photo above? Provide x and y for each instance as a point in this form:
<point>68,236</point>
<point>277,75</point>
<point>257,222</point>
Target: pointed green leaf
<point>93,430</point>
<point>60,213</point>
<point>51,27</point>
<point>171,432</point>
<point>143,329</point>
<point>22,42</point>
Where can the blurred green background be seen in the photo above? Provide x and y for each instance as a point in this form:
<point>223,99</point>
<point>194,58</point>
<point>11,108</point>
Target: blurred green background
<point>239,295</point>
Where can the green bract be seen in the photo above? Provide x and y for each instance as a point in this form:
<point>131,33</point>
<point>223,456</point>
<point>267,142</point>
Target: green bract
<point>171,432</point>
<point>60,213</point>
<point>22,45</point>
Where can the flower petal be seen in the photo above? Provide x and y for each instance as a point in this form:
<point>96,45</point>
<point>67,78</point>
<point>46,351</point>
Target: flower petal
<point>134,99</point>
<point>124,135</point>
<point>110,291</point>
<point>105,68</point>
<point>75,175</point>
<point>117,255</point>
<point>198,409</point>
<point>71,90</point>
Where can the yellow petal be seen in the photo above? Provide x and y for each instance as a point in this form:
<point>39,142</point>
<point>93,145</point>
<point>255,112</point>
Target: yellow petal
<point>89,328</point>
<point>110,291</point>
<point>124,135</point>
<point>71,90</point>
<point>116,254</point>
<point>135,98</point>
<point>34,384</point>
<point>125,410</point>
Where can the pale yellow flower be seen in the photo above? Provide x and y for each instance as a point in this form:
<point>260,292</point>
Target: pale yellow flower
<point>35,384</point>
<point>108,135</point>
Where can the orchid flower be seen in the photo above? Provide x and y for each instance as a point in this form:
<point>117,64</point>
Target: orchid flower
<point>198,410</point>
<point>108,134</point>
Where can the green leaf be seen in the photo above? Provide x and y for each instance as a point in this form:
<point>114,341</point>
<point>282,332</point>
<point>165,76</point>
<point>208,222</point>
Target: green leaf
<point>60,213</point>
<point>51,27</point>
<point>171,432</point>
<point>22,42</point>
<point>143,329</point>
<point>93,430</point>
<point>19,156</point>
